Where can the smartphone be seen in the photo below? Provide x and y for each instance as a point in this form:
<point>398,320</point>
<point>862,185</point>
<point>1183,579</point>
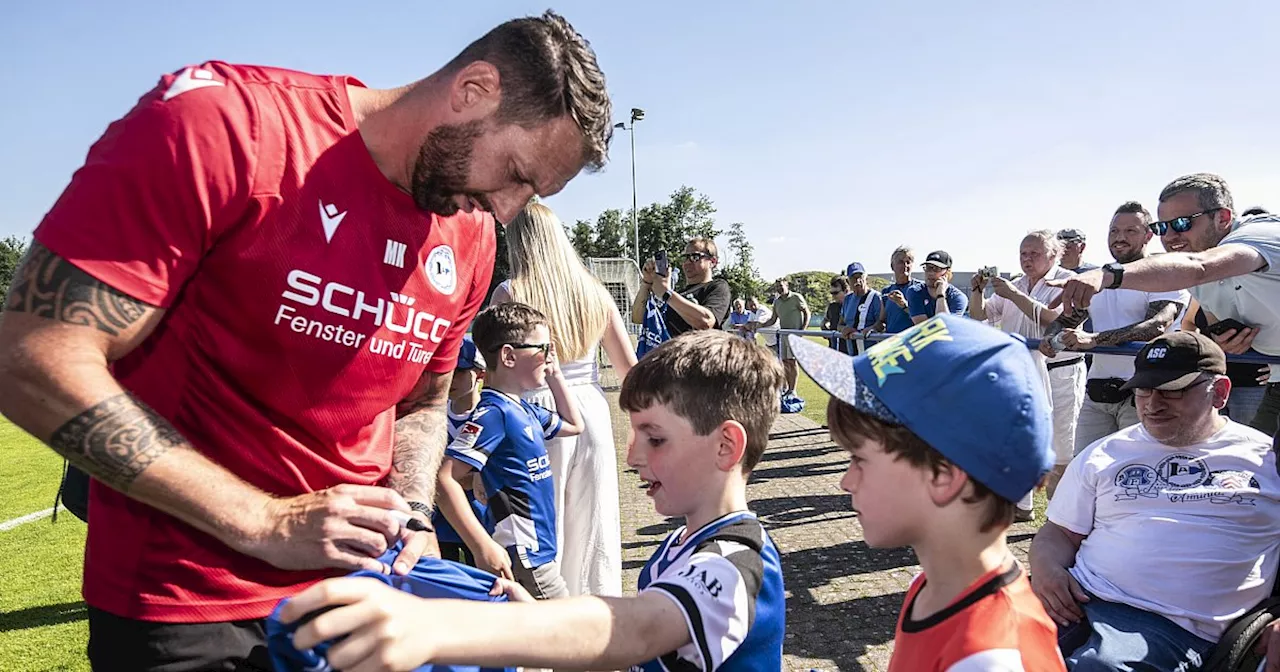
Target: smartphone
<point>661,265</point>
<point>1223,326</point>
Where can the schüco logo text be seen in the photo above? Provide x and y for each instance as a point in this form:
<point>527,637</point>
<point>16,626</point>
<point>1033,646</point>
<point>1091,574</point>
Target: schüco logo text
<point>397,314</point>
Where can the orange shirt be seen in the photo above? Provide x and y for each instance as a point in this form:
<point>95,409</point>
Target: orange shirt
<point>997,623</point>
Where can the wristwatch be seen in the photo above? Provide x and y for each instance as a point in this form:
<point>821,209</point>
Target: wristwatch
<point>666,296</point>
<point>1117,274</point>
<point>416,524</point>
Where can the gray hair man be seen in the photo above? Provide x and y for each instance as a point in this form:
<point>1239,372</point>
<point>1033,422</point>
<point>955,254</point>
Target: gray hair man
<point>1118,316</point>
<point>1231,266</point>
<point>1073,245</point>
<point>1022,307</point>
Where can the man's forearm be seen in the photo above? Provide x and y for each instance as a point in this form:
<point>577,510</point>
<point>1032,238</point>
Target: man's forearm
<point>978,305</point>
<point>1033,309</point>
<point>1160,315</point>
<point>1175,271</point>
<point>697,316</point>
<point>420,440</point>
<point>1051,547</point>
<point>640,304</point>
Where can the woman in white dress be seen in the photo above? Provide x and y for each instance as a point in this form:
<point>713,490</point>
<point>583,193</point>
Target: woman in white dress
<point>547,273</point>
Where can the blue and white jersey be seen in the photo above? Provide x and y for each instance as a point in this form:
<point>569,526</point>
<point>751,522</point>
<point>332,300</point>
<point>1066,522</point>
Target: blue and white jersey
<point>504,441</point>
<point>444,531</point>
<point>727,579</point>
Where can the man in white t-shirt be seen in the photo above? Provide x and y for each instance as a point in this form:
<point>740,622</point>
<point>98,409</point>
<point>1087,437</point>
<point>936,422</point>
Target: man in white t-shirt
<point>1118,316</point>
<point>1164,532</point>
<point>1231,266</point>
<point>759,312</point>
<point>1021,307</point>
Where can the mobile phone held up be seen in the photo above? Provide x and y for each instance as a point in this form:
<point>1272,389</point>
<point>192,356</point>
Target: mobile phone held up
<point>1223,326</point>
<point>661,265</point>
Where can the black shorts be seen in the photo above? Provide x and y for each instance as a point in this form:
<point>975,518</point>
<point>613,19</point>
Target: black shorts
<point>117,643</point>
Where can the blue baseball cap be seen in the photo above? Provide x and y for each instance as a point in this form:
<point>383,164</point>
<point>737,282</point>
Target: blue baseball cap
<point>855,267</point>
<point>996,423</point>
<point>468,356</point>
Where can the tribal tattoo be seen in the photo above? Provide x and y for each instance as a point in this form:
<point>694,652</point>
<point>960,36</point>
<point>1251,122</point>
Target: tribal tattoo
<point>47,285</point>
<point>116,440</point>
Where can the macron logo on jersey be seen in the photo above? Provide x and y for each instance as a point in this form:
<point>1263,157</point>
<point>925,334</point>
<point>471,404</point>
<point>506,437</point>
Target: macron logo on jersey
<point>189,80</point>
<point>330,218</point>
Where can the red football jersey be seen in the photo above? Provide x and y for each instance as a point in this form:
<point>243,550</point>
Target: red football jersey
<point>305,295</point>
<point>996,624</point>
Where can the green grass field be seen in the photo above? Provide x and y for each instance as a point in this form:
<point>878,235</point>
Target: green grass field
<point>42,618</point>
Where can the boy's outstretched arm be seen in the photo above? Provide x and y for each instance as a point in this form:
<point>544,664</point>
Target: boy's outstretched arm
<point>451,499</point>
<point>385,631</point>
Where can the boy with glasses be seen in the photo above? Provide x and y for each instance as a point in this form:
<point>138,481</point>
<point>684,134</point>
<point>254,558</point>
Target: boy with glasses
<point>504,441</point>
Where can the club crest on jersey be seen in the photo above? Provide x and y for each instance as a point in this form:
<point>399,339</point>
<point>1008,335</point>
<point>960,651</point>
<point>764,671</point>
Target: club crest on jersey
<point>441,269</point>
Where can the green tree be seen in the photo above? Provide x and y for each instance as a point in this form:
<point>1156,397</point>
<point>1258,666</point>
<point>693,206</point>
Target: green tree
<point>814,286</point>
<point>610,238</point>
<point>12,249</point>
<point>739,268</point>
<point>668,226</point>
<point>580,237</point>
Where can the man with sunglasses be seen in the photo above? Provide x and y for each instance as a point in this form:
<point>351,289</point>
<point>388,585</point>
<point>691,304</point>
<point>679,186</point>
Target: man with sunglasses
<point>702,304</point>
<point>1193,491</point>
<point>1231,266</point>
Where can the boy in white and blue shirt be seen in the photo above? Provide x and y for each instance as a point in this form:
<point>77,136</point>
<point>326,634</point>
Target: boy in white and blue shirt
<point>711,597</point>
<point>504,441</point>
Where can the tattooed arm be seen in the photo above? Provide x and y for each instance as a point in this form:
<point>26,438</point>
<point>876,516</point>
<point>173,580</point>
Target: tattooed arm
<point>421,435</point>
<point>1160,314</point>
<point>60,330</point>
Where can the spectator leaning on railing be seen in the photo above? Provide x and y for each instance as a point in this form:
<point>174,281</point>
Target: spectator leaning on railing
<point>937,294</point>
<point>831,320</point>
<point>1118,316</point>
<point>863,309</point>
<point>1231,266</point>
<point>896,316</point>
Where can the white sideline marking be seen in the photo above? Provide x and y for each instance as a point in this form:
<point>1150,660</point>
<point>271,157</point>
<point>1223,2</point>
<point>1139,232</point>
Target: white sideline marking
<point>30,517</point>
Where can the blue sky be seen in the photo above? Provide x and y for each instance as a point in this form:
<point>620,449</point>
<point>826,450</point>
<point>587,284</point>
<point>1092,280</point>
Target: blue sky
<point>834,130</point>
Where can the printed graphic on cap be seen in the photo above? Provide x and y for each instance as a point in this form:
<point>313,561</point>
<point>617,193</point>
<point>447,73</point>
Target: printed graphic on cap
<point>888,356</point>
<point>1157,353</point>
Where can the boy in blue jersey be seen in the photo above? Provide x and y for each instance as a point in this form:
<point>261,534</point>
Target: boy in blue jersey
<point>504,440</point>
<point>464,396</point>
<point>711,597</point>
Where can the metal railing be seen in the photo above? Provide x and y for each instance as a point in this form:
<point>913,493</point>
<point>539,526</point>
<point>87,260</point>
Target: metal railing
<point>1130,349</point>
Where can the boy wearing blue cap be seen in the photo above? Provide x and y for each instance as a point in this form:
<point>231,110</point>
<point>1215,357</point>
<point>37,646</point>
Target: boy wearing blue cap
<point>464,395</point>
<point>947,489</point>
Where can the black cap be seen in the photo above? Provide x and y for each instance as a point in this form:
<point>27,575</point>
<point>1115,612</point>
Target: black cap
<point>1174,361</point>
<point>939,258</point>
<point>1071,234</point>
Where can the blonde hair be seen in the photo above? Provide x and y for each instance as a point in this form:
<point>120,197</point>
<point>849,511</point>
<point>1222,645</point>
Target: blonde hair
<point>548,274</point>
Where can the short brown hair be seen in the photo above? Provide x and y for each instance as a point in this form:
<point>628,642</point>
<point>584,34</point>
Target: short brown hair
<point>709,377</point>
<point>504,323</point>
<point>840,282</point>
<point>851,427</point>
<point>707,244</point>
<point>547,70</point>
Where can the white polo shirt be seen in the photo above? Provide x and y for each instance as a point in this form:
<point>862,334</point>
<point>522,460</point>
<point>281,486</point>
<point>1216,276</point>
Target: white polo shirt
<point>1003,313</point>
<point>1116,308</point>
<point>1254,298</point>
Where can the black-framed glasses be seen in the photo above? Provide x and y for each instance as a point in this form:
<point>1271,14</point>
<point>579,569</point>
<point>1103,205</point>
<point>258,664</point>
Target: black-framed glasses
<point>545,348</point>
<point>1178,224</point>
<point>1170,394</point>
<point>696,256</point>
